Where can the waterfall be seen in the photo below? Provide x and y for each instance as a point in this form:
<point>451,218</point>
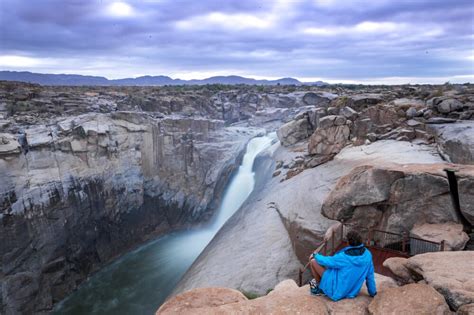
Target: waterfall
<point>242,183</point>
<point>140,281</point>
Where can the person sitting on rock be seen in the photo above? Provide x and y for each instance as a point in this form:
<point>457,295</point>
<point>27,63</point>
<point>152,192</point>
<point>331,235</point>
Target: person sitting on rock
<point>342,275</point>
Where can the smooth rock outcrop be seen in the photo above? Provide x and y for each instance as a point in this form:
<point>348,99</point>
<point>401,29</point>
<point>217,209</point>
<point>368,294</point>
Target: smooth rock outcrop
<point>455,141</point>
<point>452,233</point>
<point>285,298</point>
<point>395,197</point>
<point>413,298</point>
<point>397,265</point>
<point>317,99</point>
<point>448,272</point>
<point>449,105</point>
<point>200,301</point>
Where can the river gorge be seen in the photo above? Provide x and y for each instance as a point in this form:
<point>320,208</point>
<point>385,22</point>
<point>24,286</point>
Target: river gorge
<point>115,199</point>
<point>141,280</point>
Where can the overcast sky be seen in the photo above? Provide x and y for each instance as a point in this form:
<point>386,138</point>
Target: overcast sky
<point>398,41</point>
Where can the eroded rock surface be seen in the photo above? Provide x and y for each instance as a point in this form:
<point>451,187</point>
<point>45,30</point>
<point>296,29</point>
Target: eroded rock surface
<point>285,298</point>
<point>331,136</point>
<point>456,141</point>
<point>294,131</point>
<point>395,197</point>
<point>200,301</point>
<point>409,299</point>
<point>88,188</point>
<point>450,273</point>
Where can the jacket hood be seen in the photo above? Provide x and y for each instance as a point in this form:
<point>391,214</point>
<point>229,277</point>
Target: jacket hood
<point>358,255</point>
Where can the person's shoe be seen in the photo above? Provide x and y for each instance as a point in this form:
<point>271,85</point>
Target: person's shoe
<point>314,288</point>
<point>317,291</point>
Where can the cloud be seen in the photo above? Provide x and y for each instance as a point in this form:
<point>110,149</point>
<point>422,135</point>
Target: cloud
<point>19,61</point>
<point>327,39</point>
<point>233,22</point>
<point>365,27</point>
<point>119,9</point>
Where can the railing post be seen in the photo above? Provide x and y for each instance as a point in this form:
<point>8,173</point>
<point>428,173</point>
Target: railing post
<point>442,245</point>
<point>404,242</point>
<point>300,277</point>
<point>342,233</point>
<point>333,249</point>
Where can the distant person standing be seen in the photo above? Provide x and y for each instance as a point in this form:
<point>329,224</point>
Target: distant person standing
<point>342,275</point>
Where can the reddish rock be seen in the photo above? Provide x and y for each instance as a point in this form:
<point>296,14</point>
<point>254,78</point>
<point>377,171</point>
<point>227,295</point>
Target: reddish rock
<point>420,299</point>
<point>191,302</point>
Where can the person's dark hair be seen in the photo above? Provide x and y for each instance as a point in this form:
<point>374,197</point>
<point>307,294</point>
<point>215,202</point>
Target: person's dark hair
<point>354,238</point>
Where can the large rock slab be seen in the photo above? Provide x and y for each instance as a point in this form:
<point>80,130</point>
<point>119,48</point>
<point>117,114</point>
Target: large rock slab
<point>39,136</point>
<point>455,141</point>
<point>449,105</point>
<point>294,131</point>
<point>9,144</point>
<point>198,301</point>
<point>285,298</point>
<point>330,137</point>
<point>320,100</point>
<point>453,235</point>
<point>450,273</point>
<point>403,195</point>
<point>361,101</point>
<point>397,265</point>
<point>413,298</point>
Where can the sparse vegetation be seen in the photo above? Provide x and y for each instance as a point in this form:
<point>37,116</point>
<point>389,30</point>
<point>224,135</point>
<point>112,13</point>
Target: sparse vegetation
<point>250,295</point>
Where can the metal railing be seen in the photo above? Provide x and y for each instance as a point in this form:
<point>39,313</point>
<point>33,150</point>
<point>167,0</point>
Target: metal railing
<point>403,244</point>
<point>327,248</point>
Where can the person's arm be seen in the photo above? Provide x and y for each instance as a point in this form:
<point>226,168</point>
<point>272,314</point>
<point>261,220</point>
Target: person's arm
<point>370,281</point>
<point>335,262</point>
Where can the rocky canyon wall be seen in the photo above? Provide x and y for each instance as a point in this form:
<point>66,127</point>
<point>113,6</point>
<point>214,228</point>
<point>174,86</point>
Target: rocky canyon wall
<point>76,193</point>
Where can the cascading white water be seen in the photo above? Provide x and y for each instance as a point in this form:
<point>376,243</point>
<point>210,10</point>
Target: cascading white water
<point>141,280</point>
<point>243,182</point>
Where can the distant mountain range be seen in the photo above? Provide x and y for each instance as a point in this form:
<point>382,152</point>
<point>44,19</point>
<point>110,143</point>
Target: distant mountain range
<point>75,79</point>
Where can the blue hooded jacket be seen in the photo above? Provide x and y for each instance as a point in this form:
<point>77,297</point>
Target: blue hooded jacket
<point>346,272</point>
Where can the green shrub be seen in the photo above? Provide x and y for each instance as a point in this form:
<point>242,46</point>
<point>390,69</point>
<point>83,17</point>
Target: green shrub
<point>250,295</point>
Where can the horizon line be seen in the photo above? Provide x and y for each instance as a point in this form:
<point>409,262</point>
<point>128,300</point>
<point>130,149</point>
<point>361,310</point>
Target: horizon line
<point>396,80</point>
